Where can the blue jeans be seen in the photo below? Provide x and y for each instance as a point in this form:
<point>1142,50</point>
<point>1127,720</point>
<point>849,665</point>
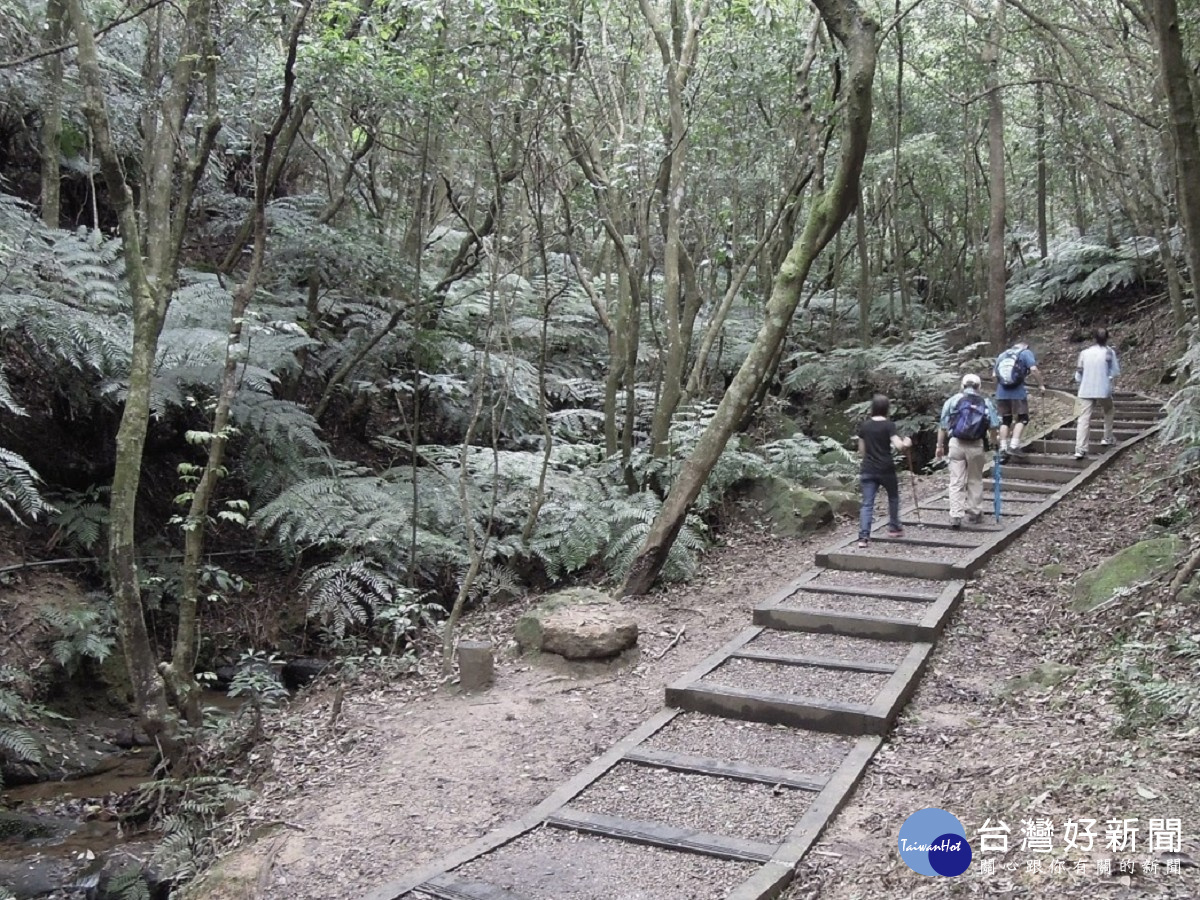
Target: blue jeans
<point>870,487</point>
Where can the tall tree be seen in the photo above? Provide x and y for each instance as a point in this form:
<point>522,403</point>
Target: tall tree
<point>1177,85</point>
<point>856,33</point>
<point>997,269</point>
<point>172,168</point>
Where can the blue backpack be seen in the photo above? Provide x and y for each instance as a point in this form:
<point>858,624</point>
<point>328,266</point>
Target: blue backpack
<point>969,421</point>
<point>1011,368</point>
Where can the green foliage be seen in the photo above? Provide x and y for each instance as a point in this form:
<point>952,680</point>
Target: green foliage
<point>16,713</point>
<point>80,519</point>
<point>189,813</point>
<point>255,678</point>
<point>1078,270</point>
<point>19,495</point>
<point>1146,695</point>
<point>128,884</point>
<point>84,632</point>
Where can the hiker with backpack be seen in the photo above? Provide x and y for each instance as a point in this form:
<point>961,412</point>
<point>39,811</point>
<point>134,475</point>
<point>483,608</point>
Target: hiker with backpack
<point>1012,368</point>
<point>876,438</point>
<point>1095,373</point>
<point>967,419</point>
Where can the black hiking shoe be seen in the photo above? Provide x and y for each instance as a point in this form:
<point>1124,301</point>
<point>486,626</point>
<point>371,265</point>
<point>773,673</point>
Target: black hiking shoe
<point>974,518</point>
<point>956,524</point>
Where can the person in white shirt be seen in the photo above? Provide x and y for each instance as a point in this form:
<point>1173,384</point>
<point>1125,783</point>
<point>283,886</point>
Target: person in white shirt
<point>1095,373</point>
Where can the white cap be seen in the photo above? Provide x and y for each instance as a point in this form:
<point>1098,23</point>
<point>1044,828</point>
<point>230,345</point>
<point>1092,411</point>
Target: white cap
<point>970,380</point>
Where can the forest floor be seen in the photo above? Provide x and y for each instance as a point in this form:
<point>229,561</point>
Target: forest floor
<point>413,769</point>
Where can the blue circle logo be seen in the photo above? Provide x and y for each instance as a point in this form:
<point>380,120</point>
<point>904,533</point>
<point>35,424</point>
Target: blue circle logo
<point>933,842</point>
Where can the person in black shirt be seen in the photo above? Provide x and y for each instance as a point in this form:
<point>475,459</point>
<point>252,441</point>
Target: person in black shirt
<point>876,438</point>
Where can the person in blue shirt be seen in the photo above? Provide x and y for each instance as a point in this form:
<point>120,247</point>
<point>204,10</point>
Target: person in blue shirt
<point>1012,399</point>
<point>966,451</point>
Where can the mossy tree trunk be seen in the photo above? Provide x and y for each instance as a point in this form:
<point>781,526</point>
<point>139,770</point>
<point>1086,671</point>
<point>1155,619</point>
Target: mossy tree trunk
<point>1174,70</point>
<point>856,32</point>
<point>56,14</point>
<point>997,272</point>
<point>151,246</point>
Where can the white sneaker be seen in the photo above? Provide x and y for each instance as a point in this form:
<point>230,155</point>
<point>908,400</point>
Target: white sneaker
<point>1079,455</point>
<point>1106,443</point>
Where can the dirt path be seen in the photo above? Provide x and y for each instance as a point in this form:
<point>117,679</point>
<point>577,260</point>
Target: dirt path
<point>413,770</point>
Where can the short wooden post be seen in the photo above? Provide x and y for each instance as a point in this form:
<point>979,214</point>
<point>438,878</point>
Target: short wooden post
<point>476,665</point>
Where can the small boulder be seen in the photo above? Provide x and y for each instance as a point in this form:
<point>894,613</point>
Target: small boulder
<point>1141,562</point>
<point>577,623</point>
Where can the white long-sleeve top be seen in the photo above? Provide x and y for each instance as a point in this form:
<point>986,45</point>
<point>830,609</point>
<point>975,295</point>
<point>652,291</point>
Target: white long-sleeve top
<point>1095,371</point>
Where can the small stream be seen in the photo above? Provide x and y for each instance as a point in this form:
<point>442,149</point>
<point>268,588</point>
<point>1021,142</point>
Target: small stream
<point>67,838</point>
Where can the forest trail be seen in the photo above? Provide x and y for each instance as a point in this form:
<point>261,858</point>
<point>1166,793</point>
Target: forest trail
<point>711,797</point>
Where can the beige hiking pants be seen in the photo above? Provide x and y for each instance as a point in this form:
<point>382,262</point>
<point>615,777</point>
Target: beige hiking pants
<point>1085,421</point>
<point>966,477</point>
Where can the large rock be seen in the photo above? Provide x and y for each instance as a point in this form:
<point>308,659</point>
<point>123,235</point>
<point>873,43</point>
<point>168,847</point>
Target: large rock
<point>1142,561</point>
<point>792,510</point>
<point>844,503</point>
<point>578,623</point>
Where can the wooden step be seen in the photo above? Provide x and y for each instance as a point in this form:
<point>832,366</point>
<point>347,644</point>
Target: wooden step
<point>820,662</point>
<point>937,519</point>
<point>850,590</point>
<point>453,887</point>
<point>942,507</point>
<point>865,561</point>
<point>1010,482</point>
<point>1039,473</point>
<point>824,621</point>
<point>655,834</point>
<point>970,543</point>
<point>1067,433</point>
<point>738,771</point>
<point>1061,446</point>
<point>776,709</point>
<point>1066,460</point>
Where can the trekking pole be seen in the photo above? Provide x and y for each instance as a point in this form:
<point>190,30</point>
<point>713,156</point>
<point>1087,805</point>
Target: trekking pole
<point>913,476</point>
<point>996,484</point>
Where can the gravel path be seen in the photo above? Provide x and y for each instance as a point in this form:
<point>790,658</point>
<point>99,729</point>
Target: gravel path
<point>835,646</point>
<point>550,864</point>
<point>860,606</point>
<point>880,582</point>
<point>813,682</point>
<point>812,752</point>
<point>757,812</point>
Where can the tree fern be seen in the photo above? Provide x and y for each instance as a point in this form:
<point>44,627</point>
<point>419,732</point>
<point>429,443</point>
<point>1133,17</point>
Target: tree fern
<point>19,495</point>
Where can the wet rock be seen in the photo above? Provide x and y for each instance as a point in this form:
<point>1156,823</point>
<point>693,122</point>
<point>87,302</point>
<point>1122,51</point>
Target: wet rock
<point>578,623</point>
<point>36,877</point>
<point>23,828</point>
<point>65,756</point>
<point>299,672</point>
